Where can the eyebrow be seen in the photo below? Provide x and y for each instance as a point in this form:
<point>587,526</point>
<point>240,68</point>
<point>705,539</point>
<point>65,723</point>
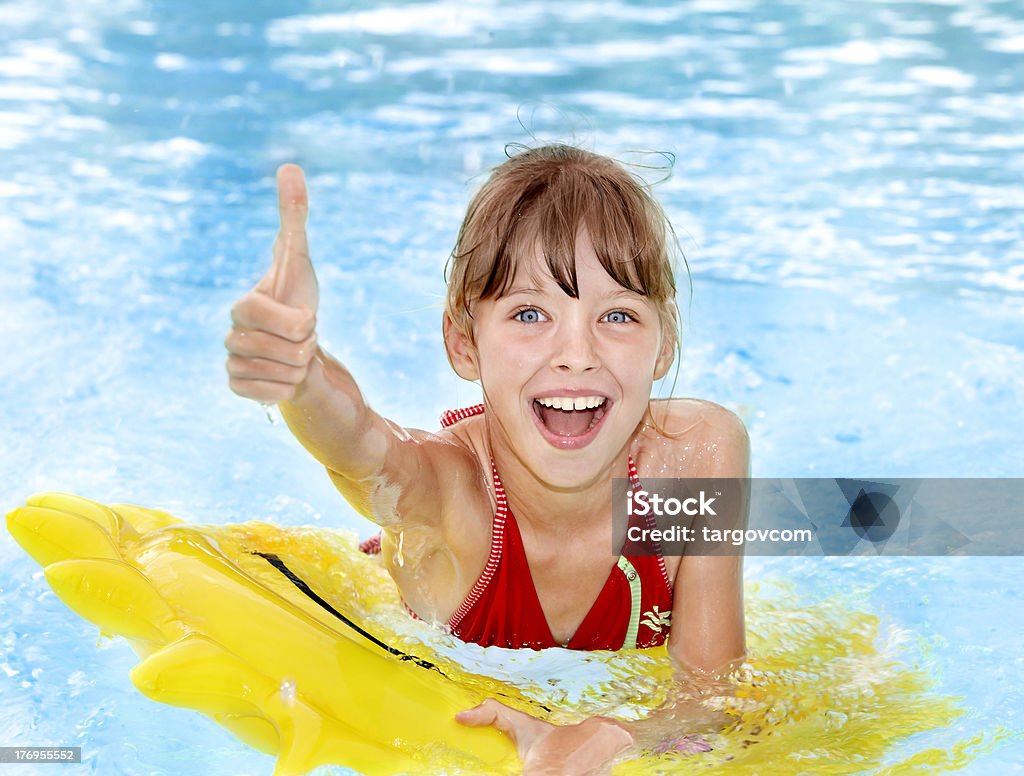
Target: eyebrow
<point>621,293</point>
<point>523,290</point>
<point>624,293</point>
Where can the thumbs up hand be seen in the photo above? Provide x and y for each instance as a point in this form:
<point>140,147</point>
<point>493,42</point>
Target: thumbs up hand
<point>273,337</point>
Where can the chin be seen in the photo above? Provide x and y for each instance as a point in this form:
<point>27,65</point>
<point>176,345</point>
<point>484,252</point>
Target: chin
<point>573,469</point>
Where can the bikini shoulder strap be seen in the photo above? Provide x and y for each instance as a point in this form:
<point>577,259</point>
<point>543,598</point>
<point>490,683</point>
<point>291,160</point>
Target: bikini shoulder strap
<point>451,417</point>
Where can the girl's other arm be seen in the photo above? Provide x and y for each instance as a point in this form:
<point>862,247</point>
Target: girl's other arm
<point>708,628</point>
<point>386,472</point>
<point>708,636</point>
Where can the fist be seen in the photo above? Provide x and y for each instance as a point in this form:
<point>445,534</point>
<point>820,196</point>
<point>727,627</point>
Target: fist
<point>273,334</point>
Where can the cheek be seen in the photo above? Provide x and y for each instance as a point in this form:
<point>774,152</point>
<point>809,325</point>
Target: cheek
<point>504,350</point>
<point>498,362</point>
<point>637,380</point>
<point>636,357</point>
<point>507,368</point>
<point>656,349</point>
<point>505,371</point>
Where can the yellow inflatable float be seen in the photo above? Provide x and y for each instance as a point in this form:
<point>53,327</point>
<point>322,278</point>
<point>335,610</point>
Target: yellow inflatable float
<point>246,623</point>
<point>298,644</point>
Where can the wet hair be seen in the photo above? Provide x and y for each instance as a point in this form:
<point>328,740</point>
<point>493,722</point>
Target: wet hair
<point>542,198</point>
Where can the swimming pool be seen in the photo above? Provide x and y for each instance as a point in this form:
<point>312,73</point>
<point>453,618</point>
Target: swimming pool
<point>847,189</point>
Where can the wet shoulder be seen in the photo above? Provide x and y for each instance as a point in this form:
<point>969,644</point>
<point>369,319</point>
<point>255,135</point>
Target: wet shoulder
<point>692,438</point>
<point>468,436</point>
<point>467,465</point>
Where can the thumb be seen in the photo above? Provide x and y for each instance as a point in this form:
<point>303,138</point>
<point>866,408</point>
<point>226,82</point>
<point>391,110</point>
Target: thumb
<point>292,280</point>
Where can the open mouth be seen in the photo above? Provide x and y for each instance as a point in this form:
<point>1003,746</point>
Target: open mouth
<point>570,416</point>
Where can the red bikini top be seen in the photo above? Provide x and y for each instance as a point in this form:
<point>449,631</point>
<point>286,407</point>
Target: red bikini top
<point>633,608</point>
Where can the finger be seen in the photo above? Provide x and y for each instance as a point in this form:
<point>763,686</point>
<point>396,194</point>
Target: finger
<point>264,370</point>
<point>259,312</point>
<point>262,390</point>
<point>293,281</point>
<point>479,716</point>
<point>523,729</point>
<point>521,726</point>
<point>292,199</point>
<point>258,344</point>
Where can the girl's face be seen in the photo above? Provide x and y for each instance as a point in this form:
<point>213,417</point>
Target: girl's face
<point>566,381</point>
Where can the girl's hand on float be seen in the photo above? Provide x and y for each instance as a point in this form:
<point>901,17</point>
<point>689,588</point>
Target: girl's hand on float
<point>273,335</point>
<point>585,749</point>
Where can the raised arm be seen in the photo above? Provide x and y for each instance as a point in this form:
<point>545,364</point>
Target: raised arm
<point>386,472</point>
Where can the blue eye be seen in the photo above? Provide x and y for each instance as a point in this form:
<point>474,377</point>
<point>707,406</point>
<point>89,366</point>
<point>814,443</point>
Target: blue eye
<point>618,316</point>
<point>528,315</point>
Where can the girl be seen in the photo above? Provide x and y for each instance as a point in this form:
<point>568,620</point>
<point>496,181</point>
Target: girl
<point>561,302</point>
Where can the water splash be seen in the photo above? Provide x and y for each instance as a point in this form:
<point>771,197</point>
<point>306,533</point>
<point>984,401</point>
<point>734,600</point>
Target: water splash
<point>269,410</point>
<point>826,687</point>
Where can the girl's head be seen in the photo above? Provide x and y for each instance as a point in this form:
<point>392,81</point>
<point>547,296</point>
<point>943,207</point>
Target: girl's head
<point>561,300</point>
<point>539,201</point>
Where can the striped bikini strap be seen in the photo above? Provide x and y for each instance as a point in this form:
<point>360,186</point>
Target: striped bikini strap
<point>493,557</point>
<point>451,417</point>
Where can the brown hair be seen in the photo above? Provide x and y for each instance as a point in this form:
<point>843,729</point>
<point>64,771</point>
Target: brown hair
<point>541,197</point>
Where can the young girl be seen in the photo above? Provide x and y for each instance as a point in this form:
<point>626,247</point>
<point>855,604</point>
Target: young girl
<point>561,303</point>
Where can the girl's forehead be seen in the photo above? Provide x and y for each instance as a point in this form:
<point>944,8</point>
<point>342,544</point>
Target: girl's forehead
<point>532,271</point>
<point>530,268</point>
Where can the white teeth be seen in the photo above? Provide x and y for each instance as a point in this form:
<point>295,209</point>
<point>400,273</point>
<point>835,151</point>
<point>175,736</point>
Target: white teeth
<point>570,403</point>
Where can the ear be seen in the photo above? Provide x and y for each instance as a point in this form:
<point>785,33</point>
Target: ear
<point>460,349</point>
<point>665,357</point>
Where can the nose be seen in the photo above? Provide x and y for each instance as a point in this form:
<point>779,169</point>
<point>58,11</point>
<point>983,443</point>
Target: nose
<point>575,348</point>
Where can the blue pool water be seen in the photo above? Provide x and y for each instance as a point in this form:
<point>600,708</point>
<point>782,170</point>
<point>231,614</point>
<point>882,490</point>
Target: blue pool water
<point>848,187</point>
